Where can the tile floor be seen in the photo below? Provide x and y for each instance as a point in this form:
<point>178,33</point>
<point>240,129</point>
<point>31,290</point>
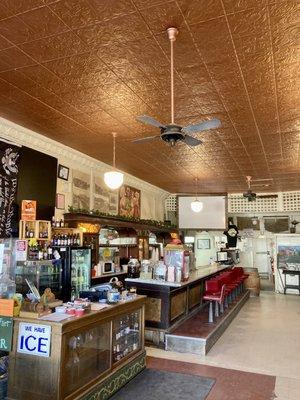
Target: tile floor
<point>264,338</point>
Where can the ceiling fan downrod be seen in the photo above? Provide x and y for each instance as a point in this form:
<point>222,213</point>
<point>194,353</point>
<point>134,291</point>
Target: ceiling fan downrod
<point>172,33</point>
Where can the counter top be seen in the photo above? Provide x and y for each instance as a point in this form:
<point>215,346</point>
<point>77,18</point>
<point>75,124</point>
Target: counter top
<point>201,273</point>
<point>69,323</point>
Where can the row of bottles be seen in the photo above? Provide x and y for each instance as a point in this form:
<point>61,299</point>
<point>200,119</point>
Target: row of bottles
<point>30,233</point>
<point>40,252</point>
<point>57,223</point>
<point>66,240</point>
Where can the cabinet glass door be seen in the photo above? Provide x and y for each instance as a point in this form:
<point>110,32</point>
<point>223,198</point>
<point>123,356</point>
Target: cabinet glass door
<point>50,276</point>
<point>80,269</point>
<point>25,270</point>
<point>87,356</point>
<point>126,335</point>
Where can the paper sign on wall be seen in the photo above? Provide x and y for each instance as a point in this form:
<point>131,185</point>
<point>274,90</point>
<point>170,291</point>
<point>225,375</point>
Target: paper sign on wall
<point>6,307</point>
<point>6,332</point>
<point>21,250</point>
<point>28,210</point>
<point>34,339</point>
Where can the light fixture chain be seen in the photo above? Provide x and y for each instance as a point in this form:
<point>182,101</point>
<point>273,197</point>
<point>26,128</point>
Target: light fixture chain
<point>114,149</point>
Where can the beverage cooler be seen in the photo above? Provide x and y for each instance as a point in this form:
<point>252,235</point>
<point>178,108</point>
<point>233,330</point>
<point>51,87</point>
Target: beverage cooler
<point>76,266</point>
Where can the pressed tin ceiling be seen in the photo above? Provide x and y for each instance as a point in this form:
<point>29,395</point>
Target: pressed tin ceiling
<point>76,70</point>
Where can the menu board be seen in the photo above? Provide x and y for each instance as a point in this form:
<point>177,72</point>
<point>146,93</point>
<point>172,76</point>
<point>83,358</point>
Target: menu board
<point>9,155</point>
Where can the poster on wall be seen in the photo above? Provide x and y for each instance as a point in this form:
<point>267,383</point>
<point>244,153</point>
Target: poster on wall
<point>9,155</point>
<point>104,199</point>
<point>28,210</point>
<point>288,255</point>
<point>130,201</point>
<point>81,190</point>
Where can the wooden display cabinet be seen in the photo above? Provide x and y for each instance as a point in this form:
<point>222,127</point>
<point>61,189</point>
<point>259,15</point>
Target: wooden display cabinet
<point>40,229</point>
<point>91,357</point>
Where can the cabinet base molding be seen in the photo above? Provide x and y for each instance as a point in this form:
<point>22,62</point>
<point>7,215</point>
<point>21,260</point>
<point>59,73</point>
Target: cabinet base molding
<point>117,380</point>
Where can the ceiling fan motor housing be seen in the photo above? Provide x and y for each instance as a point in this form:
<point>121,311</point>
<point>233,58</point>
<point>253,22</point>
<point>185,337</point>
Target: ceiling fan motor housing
<point>172,134</point>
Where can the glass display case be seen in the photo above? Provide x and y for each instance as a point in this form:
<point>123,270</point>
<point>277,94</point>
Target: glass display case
<point>87,356</point>
<point>82,361</point>
<point>80,269</point>
<point>126,337</point>
<point>42,273</point>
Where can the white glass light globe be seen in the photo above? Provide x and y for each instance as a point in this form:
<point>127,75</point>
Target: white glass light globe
<point>113,179</point>
<point>196,206</point>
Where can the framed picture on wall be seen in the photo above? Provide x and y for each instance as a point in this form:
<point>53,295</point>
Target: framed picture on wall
<point>130,201</point>
<point>203,244</point>
<point>60,201</point>
<point>63,172</point>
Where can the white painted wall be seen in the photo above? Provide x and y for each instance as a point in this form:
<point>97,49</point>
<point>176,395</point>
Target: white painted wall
<point>204,257</point>
<point>152,197</point>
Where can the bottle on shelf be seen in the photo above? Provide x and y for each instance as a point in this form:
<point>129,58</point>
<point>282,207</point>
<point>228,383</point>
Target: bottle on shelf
<point>49,253</point>
<point>61,223</point>
<point>53,222</point>
<point>73,294</point>
<point>45,254</point>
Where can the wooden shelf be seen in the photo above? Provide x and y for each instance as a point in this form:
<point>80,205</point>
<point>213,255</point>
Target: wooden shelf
<point>71,218</point>
<point>118,245</point>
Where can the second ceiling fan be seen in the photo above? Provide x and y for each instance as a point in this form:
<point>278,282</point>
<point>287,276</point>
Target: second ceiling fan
<point>251,196</point>
<point>173,133</point>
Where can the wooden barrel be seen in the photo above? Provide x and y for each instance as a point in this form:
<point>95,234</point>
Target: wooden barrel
<point>253,281</point>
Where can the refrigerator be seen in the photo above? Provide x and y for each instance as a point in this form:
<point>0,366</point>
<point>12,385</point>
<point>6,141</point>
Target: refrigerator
<point>76,266</point>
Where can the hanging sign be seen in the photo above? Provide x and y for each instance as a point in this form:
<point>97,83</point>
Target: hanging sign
<point>28,212</point>
<point>6,332</point>
<point>9,155</point>
<point>34,339</point>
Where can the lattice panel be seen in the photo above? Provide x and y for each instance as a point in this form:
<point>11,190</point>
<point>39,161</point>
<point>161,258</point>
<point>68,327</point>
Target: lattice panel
<point>291,201</point>
<point>238,204</point>
<point>171,203</point>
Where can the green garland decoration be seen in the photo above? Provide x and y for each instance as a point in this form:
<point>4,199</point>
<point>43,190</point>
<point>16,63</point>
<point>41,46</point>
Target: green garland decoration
<point>97,213</point>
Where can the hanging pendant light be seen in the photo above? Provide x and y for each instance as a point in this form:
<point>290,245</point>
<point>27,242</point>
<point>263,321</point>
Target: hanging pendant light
<point>114,179</point>
<point>196,205</point>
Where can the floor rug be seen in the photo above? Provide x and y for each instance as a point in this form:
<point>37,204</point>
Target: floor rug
<point>153,384</point>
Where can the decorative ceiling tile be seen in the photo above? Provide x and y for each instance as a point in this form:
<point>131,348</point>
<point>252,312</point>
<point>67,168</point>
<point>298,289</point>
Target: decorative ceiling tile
<point>77,70</point>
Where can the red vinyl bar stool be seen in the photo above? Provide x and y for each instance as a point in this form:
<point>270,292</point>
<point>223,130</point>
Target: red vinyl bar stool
<point>218,298</point>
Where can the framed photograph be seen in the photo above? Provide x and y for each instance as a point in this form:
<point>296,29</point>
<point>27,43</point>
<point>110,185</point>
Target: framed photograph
<point>63,172</point>
<point>60,201</point>
<point>203,244</point>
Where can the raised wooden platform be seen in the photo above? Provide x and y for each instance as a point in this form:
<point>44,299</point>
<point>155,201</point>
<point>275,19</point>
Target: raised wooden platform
<point>196,335</point>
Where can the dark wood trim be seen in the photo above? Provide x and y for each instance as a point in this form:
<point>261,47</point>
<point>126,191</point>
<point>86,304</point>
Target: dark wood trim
<point>72,218</point>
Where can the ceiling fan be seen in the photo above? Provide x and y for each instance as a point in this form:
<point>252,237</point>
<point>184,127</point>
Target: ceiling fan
<point>251,196</point>
<point>173,133</point>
